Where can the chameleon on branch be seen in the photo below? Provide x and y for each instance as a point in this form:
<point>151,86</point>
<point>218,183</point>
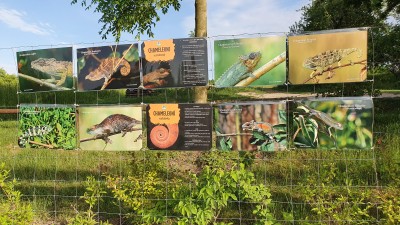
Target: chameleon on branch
<point>115,123</point>
<point>325,60</point>
<point>108,67</point>
<point>321,117</point>
<point>265,136</point>
<point>33,132</point>
<point>58,70</point>
<point>239,71</point>
<point>258,126</point>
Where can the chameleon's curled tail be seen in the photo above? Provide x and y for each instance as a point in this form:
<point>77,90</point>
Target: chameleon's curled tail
<point>125,68</point>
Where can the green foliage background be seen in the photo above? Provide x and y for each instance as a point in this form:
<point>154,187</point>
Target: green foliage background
<point>8,90</point>
<point>61,119</point>
<point>227,53</point>
<point>355,115</point>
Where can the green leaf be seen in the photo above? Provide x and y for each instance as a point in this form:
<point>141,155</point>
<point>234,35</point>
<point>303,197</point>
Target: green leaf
<point>282,116</point>
<point>209,190</point>
<point>259,135</point>
<point>131,55</point>
<point>234,176</point>
<point>281,127</point>
<point>229,143</point>
<point>222,144</point>
<point>254,142</point>
<point>304,129</point>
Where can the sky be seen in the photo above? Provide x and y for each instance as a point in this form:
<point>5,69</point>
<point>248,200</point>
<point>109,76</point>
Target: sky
<point>37,24</point>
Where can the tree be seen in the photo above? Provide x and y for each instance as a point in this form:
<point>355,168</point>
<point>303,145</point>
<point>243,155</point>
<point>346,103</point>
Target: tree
<point>335,14</point>
<point>8,88</point>
<point>200,95</point>
<point>130,16</point>
<point>139,17</point>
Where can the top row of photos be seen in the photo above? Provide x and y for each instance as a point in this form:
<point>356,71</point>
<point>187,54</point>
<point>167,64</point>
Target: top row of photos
<point>332,57</point>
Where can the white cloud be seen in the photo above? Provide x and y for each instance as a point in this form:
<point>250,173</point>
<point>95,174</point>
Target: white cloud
<point>235,17</point>
<point>16,19</point>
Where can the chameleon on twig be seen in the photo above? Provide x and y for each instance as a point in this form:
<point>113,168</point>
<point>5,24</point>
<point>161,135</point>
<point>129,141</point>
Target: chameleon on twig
<point>322,117</point>
<point>325,60</point>
<point>258,126</point>
<point>113,124</point>
<point>264,128</point>
<point>108,67</point>
<point>57,70</point>
<point>326,120</point>
<point>239,71</point>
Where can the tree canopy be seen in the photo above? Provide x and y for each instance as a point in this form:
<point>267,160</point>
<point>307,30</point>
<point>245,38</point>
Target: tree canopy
<point>336,14</point>
<point>7,77</point>
<point>132,16</point>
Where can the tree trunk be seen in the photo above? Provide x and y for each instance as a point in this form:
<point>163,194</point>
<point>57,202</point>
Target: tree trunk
<point>200,93</point>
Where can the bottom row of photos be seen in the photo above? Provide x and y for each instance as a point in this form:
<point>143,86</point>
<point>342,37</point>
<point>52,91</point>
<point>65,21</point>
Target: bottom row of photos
<point>331,123</point>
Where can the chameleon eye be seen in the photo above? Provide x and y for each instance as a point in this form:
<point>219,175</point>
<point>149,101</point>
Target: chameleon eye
<point>252,55</point>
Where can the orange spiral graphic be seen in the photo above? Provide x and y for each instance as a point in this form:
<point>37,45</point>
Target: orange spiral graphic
<point>164,136</point>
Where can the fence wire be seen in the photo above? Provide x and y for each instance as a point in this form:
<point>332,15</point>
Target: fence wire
<point>306,186</point>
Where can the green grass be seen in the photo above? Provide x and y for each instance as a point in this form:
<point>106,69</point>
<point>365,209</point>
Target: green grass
<point>53,179</point>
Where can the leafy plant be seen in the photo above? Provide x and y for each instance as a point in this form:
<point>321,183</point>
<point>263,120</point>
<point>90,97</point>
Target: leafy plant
<point>333,124</point>
<point>390,205</point>
<point>8,89</point>
<point>60,119</point>
<point>224,159</point>
<point>137,194</point>
<point>12,209</point>
<point>94,192</point>
<point>335,204</point>
<point>214,189</point>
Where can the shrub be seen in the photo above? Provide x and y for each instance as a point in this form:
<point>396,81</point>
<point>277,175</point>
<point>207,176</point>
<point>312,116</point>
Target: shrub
<point>93,194</point>
<point>12,209</point>
<point>214,188</point>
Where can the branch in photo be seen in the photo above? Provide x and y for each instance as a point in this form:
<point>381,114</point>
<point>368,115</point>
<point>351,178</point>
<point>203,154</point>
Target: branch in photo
<point>332,69</point>
<point>41,144</point>
<point>262,70</point>
<point>108,81</point>
<point>105,136</point>
<point>235,134</point>
<point>42,83</point>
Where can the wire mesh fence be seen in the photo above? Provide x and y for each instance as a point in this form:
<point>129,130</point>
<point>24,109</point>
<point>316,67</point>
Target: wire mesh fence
<point>345,186</point>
